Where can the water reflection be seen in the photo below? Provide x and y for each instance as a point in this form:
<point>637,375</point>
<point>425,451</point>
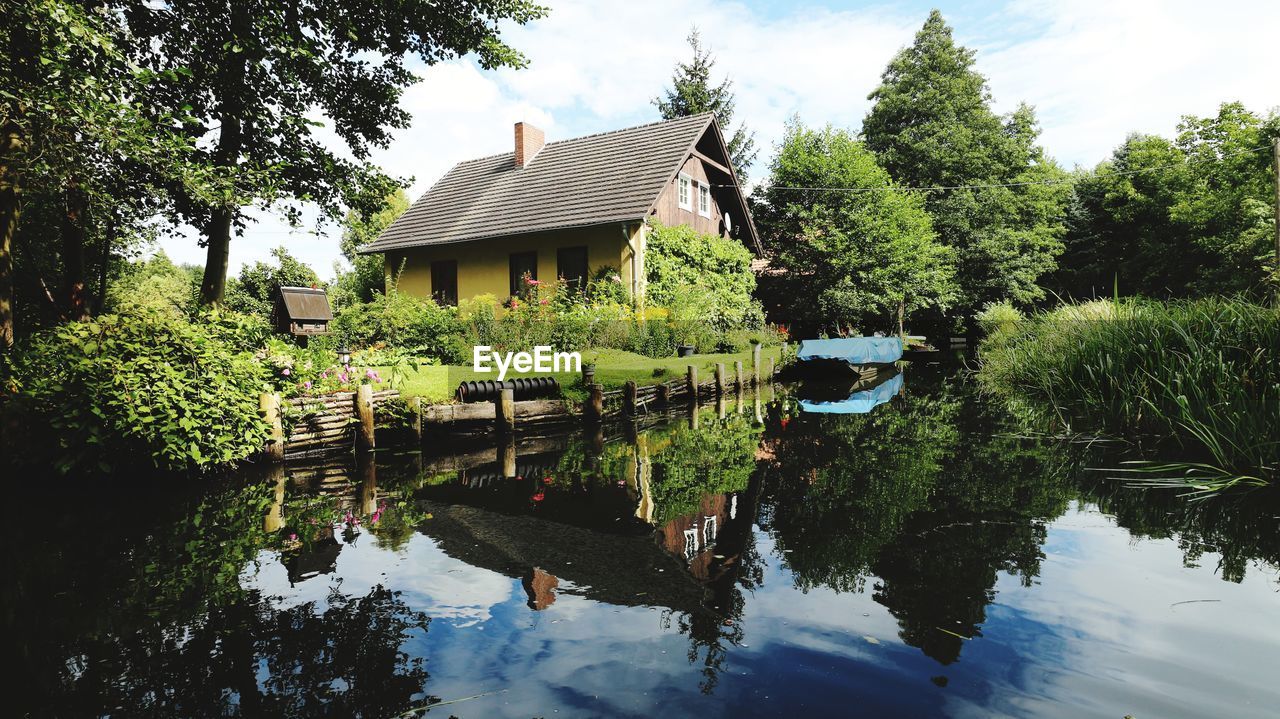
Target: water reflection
<point>748,557</point>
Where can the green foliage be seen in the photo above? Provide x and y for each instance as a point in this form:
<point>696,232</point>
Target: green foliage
<point>79,161</point>
<point>1201,374</point>
<point>155,284</point>
<point>691,93</point>
<point>366,277</point>
<point>701,278</point>
<point>852,259</point>
<point>400,320</point>
<point>254,291</point>
<point>932,126</point>
<point>999,320</point>
<point>1185,217</point>
<point>137,389</point>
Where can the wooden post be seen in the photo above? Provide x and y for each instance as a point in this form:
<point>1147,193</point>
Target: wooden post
<point>719,378</point>
<point>269,405</point>
<point>363,399</point>
<point>737,374</point>
<point>594,409</point>
<point>629,398</point>
<point>772,369</point>
<point>664,393</point>
<point>720,405</point>
<point>417,417</point>
<point>504,411</point>
<point>755,364</point>
<point>692,381</point>
<point>507,454</point>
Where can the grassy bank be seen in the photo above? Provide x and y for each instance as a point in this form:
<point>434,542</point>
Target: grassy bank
<point>437,383</point>
<point>1203,376</point>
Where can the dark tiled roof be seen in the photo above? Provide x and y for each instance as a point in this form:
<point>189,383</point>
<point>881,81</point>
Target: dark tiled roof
<point>610,177</point>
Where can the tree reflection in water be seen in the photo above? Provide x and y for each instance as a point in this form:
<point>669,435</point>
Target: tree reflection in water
<point>121,606</point>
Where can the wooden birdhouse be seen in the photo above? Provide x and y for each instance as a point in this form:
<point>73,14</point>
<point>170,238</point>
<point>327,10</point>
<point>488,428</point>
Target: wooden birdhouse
<point>302,311</point>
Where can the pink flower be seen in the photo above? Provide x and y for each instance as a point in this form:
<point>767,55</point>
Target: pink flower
<point>285,372</point>
<point>531,282</point>
<point>306,385</point>
<point>343,378</point>
<point>293,537</point>
<point>542,301</point>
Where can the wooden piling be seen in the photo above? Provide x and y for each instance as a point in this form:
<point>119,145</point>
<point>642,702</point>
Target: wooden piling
<point>719,378</point>
<point>629,398</point>
<point>363,399</point>
<point>507,455</point>
<point>417,417</point>
<point>504,410</point>
<point>737,374</point>
<point>594,409</point>
<point>755,364</point>
<point>269,405</point>
<point>692,381</point>
<point>772,369</point>
<point>664,393</point>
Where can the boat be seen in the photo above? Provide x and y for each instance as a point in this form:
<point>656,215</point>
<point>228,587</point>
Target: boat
<point>847,356</point>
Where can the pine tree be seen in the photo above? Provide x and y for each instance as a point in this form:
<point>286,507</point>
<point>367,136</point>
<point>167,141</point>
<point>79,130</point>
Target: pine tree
<point>691,93</point>
<point>932,126</point>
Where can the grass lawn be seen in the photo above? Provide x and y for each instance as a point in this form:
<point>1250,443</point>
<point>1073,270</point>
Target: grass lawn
<point>613,369</point>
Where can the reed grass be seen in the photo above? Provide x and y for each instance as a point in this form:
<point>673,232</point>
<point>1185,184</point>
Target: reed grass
<point>1202,376</point>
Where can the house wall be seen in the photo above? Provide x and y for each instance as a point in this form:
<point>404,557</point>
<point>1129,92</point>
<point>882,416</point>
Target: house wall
<point>484,265</point>
<point>669,212</point>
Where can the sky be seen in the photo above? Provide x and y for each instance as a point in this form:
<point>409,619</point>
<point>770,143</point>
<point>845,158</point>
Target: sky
<point>1095,71</point>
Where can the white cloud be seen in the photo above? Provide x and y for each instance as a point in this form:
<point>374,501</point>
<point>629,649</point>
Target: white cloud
<point>1095,69</point>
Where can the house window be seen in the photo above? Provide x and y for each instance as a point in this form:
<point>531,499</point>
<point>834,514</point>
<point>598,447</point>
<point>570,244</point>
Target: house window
<point>524,266</point>
<point>684,192</point>
<point>704,200</point>
<point>444,282</point>
<point>571,267</point>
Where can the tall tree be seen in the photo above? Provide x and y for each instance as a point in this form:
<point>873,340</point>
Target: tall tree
<point>75,145</point>
<point>931,125</point>
<point>1177,217</point>
<point>692,93</point>
<point>257,77</point>
<point>366,276</point>
<point>863,259</point>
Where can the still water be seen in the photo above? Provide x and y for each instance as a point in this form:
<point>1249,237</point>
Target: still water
<point>921,557</point>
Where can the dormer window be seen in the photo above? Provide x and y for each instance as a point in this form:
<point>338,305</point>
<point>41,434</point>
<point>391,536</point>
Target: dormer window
<point>704,200</point>
<point>684,192</point>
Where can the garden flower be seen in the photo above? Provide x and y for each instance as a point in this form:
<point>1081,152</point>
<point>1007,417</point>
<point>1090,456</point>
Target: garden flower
<point>542,301</point>
<point>285,372</point>
<point>293,537</point>
<point>306,385</point>
<point>539,496</point>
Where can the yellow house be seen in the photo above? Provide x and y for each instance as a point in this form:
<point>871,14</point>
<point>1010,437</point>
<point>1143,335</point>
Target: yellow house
<point>564,210</point>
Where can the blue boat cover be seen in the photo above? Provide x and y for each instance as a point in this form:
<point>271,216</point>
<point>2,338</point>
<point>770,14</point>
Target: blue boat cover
<point>858,402</point>
<point>854,350</point>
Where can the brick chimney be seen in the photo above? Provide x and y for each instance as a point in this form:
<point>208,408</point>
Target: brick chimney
<point>529,140</point>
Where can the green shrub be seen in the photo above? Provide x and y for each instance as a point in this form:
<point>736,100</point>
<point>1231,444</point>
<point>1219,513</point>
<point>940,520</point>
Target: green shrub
<point>400,320</point>
<point>706,276</point>
<point>137,389</point>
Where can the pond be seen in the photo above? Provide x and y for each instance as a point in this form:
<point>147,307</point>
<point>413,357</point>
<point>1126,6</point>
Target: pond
<point>921,556</point>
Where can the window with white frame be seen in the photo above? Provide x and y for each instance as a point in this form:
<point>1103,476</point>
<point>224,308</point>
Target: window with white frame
<point>684,192</point>
<point>704,200</point>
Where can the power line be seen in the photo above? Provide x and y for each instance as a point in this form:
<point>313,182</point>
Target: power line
<point>937,188</point>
